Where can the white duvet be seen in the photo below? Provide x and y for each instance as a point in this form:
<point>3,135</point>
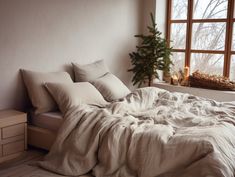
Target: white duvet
<point>149,133</point>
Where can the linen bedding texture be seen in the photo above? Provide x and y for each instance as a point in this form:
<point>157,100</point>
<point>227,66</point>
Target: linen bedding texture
<point>73,94</point>
<point>89,72</point>
<point>110,87</point>
<point>97,73</point>
<point>149,133</point>
<point>40,98</point>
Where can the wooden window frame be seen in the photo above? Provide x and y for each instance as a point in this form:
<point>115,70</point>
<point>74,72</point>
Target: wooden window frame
<point>230,20</point>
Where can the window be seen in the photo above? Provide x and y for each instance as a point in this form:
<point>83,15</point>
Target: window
<point>202,34</point>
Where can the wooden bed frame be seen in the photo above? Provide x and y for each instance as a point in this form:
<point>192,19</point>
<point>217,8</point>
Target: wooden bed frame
<point>40,137</point>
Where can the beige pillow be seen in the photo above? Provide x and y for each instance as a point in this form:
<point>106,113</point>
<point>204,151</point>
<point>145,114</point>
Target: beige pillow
<point>111,87</point>
<point>70,95</point>
<point>89,72</point>
<point>39,96</point>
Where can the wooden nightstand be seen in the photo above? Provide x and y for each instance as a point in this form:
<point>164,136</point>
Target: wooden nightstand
<point>13,134</point>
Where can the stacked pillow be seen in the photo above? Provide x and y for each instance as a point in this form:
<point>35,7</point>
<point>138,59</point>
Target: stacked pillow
<point>89,72</point>
<point>73,94</point>
<point>94,84</point>
<point>111,87</point>
<point>39,96</point>
<point>97,73</point>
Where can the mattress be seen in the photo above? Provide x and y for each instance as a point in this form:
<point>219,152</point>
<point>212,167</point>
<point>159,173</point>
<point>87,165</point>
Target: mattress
<point>50,120</point>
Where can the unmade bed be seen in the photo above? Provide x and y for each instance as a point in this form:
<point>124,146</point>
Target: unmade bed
<point>151,132</point>
<point>108,131</point>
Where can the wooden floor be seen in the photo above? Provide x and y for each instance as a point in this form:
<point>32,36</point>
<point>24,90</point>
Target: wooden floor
<point>22,166</point>
<point>31,155</point>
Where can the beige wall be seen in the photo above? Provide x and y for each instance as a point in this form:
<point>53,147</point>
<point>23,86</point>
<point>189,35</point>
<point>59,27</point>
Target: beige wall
<point>46,35</point>
<point>148,6</point>
<point>158,8</point>
<point>160,15</point>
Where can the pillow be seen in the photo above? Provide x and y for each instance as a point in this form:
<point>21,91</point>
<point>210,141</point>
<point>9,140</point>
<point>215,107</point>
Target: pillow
<point>111,87</point>
<point>89,72</point>
<point>39,96</point>
<point>70,95</point>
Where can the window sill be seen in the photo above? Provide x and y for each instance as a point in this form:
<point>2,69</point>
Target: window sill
<point>206,93</point>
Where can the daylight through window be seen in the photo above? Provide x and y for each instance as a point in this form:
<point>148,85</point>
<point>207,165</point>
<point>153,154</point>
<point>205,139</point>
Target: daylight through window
<point>202,34</point>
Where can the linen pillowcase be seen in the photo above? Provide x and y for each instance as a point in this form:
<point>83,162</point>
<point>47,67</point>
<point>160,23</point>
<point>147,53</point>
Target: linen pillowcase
<point>89,72</point>
<point>70,95</point>
<point>111,87</point>
<point>39,96</point>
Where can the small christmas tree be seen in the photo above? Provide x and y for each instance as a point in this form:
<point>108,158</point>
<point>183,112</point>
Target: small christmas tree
<point>151,55</point>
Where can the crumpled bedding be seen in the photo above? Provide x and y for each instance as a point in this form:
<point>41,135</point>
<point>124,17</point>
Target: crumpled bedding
<point>150,133</point>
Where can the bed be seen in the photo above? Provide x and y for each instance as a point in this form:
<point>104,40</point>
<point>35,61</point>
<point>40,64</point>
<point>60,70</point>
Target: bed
<point>43,129</point>
<point>107,130</point>
<point>151,132</point>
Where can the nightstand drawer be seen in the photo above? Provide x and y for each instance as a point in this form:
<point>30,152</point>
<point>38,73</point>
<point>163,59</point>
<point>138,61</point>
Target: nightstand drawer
<point>13,130</point>
<point>13,147</point>
<point>13,134</point>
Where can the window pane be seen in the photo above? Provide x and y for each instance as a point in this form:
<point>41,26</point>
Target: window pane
<point>209,9</point>
<point>208,36</point>
<point>178,59</point>
<point>233,42</point>
<point>234,11</point>
<point>178,35</point>
<point>179,9</point>
<point>207,63</point>
<point>232,68</point>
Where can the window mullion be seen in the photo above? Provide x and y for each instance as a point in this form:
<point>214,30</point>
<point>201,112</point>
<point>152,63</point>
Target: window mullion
<point>189,33</point>
<point>228,39</point>
<point>168,19</point>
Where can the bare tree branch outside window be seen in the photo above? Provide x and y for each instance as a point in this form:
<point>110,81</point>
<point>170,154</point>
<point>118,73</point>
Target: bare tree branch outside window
<point>205,35</point>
